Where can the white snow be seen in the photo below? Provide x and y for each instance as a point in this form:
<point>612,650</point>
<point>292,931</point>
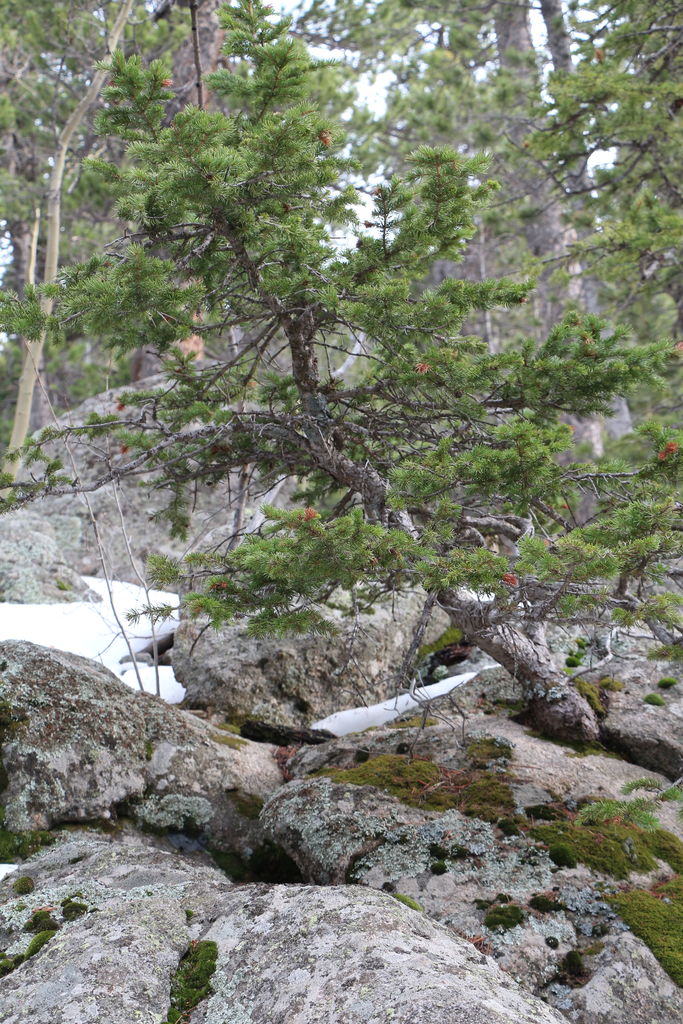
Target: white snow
<point>357,719</point>
<point>170,689</point>
<point>89,628</point>
<point>6,868</point>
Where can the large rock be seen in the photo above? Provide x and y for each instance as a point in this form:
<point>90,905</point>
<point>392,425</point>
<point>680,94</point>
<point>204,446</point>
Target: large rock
<point>649,735</point>
<point>32,568</point>
<point>77,744</point>
<point>127,519</point>
<point>285,955</point>
<point>299,680</point>
<point>115,961</point>
<point>626,984</point>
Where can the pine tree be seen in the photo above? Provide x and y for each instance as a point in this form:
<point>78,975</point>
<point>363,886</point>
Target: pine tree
<point>437,466</point>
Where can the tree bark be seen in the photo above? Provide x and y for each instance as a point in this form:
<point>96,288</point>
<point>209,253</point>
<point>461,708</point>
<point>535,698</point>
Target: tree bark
<point>554,706</point>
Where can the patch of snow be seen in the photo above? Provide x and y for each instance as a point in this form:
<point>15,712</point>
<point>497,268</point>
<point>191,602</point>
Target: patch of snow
<point>356,719</point>
<point>170,689</point>
<point>89,628</point>
<point>5,869</point>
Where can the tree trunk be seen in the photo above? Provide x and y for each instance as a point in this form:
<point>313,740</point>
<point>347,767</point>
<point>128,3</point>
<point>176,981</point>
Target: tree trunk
<point>554,706</point>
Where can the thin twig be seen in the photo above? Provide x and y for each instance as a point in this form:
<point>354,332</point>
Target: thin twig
<point>197,57</point>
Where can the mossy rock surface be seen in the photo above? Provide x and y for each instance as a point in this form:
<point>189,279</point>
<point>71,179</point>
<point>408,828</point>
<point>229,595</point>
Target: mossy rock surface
<point>16,846</point>
<point>408,901</point>
<point>591,693</point>
<point>38,941</point>
<point>544,904</point>
<point>420,783</point>
<point>412,723</point>
<point>612,849</point>
<point>23,885</point>
<point>482,751</point>
<point>192,980</point>
<point>656,917</point>
<point>227,739</point>
<point>504,917</point>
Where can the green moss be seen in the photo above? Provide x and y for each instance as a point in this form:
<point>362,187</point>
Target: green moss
<point>543,812</point>
<point>232,727</point>
<point>452,635</point>
<point>391,772</point>
<point>411,723</point>
<point>590,749</point>
<point>655,699</point>
<point>248,805</point>
<point>572,661</point>
<point>508,826</point>
<point>6,965</point>
<point>611,684</point>
<point>235,742</point>
<point>593,950</point>
<point>40,921</point>
<point>481,752</point>
<point>487,797</point>
<point>502,918</point>
<point>38,941</point>
<point>658,923</point>
<point>192,981</point>
<point>189,914</point>
<point>72,909</point>
<point>149,750</point>
<point>424,784</point>
<point>667,847</point>
<point>438,867</point>
<point>667,682</point>
<point>613,849</point>
<point>63,585</point>
<point>23,885</point>
<point>408,901</point>
<point>561,854</point>
<point>16,846</point>
<point>544,904</point>
<point>591,694</point>
<point>573,964</point>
